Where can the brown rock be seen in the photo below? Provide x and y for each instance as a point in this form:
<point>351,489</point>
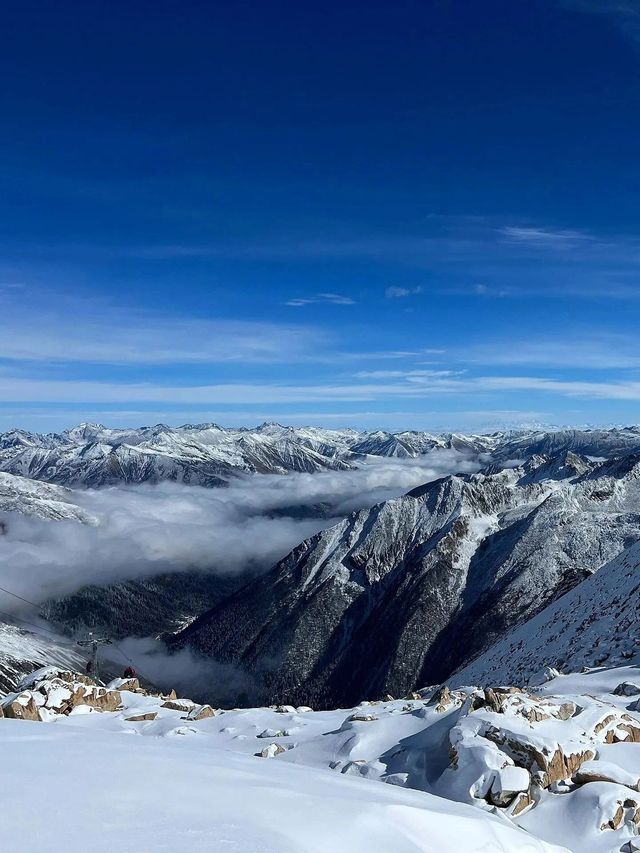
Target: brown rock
<point>566,711</point>
<point>185,705</point>
<point>23,707</point>
<point>271,751</point>
<point>615,821</point>
<point>552,768</point>
<point>201,712</point>
<point>140,718</point>
<point>521,802</point>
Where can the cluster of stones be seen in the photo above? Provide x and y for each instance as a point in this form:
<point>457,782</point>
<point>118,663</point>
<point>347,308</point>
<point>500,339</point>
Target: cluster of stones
<point>58,692</point>
<point>53,692</point>
<point>531,763</point>
<point>499,741</point>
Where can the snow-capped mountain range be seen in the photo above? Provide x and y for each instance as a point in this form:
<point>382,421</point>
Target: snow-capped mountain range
<point>206,454</point>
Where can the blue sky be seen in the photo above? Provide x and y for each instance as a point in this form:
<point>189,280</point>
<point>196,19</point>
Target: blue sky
<point>398,215</point>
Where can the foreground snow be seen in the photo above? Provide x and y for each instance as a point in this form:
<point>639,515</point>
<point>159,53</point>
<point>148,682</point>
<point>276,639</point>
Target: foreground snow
<point>486,770</point>
<point>75,787</point>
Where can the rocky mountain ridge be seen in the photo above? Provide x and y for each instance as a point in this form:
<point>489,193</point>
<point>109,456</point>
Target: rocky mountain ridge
<point>412,589</point>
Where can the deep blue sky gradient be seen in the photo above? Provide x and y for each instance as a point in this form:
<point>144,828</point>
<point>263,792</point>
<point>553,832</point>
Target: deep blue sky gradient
<point>407,214</point>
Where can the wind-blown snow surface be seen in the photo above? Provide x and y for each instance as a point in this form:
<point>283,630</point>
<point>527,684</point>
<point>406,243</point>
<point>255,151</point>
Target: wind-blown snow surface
<point>102,784</point>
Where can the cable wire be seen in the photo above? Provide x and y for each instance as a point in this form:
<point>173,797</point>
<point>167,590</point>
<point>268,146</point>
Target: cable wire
<point>53,633</point>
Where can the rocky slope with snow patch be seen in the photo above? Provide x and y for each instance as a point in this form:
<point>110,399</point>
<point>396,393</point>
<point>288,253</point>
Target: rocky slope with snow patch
<point>595,624</point>
<point>22,650</point>
<point>38,500</point>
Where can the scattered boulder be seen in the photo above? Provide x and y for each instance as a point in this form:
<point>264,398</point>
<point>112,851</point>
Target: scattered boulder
<point>140,718</point>
<point>184,705</point>
<point>200,712</point>
<point>615,820</point>
<point>508,782</point>
<point>605,771</point>
<point>131,684</point>
<point>21,706</point>
<point>271,751</point>
<point>627,688</point>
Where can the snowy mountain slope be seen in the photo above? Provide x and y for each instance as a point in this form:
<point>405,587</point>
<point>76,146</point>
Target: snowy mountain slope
<point>207,454</point>
<point>595,623</point>
<point>22,651</point>
<point>408,591</point>
<point>39,500</point>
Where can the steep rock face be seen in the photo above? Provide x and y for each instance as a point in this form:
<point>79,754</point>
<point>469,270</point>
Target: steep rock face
<point>406,592</point>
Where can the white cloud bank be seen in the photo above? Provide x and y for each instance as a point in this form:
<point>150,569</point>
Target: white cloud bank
<point>147,530</point>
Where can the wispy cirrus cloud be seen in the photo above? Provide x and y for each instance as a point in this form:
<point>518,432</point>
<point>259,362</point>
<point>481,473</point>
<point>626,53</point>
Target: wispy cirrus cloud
<point>586,352</point>
<point>74,328</point>
<point>545,237</point>
<point>155,340</point>
<point>401,292</point>
<point>87,392</point>
<point>328,298</point>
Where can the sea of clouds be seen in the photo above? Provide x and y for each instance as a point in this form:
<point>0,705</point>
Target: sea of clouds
<point>143,531</point>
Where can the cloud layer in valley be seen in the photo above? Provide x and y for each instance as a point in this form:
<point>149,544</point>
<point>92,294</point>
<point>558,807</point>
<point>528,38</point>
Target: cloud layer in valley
<point>148,530</point>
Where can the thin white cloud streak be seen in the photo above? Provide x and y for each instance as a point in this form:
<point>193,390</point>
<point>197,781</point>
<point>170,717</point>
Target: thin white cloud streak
<point>116,339</point>
<point>41,391</point>
<point>597,353</point>
<point>328,298</point>
<point>148,530</point>
<point>545,237</point>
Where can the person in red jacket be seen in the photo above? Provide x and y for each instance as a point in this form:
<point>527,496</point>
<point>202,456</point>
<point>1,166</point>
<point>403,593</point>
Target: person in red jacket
<point>129,672</point>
